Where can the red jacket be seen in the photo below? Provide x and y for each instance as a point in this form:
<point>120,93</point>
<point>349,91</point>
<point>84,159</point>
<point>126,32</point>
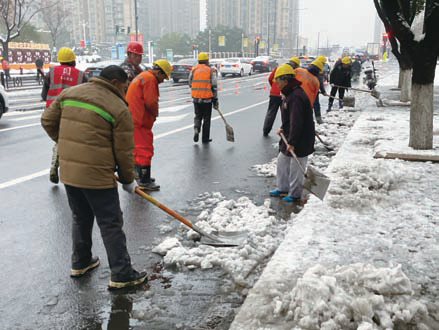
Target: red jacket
<point>143,99</point>
<point>274,90</point>
<point>5,65</point>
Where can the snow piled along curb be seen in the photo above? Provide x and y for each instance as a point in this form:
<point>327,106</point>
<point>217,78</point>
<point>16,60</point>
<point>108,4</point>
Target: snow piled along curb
<point>364,259</point>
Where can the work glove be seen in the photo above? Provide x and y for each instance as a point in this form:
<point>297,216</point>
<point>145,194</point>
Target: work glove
<point>129,187</point>
<point>215,104</point>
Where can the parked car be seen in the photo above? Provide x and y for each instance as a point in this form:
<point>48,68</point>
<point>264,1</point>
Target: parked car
<point>235,66</point>
<point>182,69</point>
<point>216,62</point>
<point>4,101</point>
<point>305,61</point>
<point>95,69</point>
<point>264,63</point>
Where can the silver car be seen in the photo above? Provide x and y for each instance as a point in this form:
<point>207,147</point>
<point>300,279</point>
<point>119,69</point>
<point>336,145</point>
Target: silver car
<point>4,102</point>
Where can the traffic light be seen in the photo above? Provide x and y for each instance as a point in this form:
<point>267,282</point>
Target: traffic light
<point>257,40</point>
<point>128,29</point>
<point>385,38</point>
<point>117,29</point>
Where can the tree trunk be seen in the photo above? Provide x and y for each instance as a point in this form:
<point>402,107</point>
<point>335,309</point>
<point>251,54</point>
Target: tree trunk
<point>400,78</point>
<point>421,116</point>
<point>5,46</point>
<point>405,77</point>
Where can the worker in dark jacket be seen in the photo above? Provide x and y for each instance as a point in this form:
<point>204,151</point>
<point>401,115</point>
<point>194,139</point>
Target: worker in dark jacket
<point>275,99</point>
<point>321,76</point>
<point>340,76</point>
<point>298,128</point>
<point>131,65</point>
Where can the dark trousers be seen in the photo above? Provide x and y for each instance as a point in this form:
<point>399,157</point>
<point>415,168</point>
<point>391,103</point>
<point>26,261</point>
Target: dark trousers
<point>270,117</point>
<point>86,204</point>
<point>317,106</point>
<point>340,96</point>
<point>203,114</point>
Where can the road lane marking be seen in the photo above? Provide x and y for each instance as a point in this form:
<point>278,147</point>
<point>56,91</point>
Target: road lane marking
<point>25,118</point>
<point>18,127</point>
<point>158,136</point>
<point>21,113</point>
<point>23,179</point>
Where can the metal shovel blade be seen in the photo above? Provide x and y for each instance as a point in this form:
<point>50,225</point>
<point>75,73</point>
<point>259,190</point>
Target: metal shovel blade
<point>375,93</point>
<point>230,136</point>
<point>316,182</point>
<point>224,239</point>
<point>349,101</point>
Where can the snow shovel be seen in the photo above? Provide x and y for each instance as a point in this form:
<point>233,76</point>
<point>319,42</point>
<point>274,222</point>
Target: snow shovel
<point>348,101</point>
<point>223,239</point>
<point>373,92</point>
<point>323,142</point>
<point>316,182</point>
<point>230,136</point>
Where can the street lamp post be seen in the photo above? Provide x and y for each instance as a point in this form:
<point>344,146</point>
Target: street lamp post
<point>136,18</point>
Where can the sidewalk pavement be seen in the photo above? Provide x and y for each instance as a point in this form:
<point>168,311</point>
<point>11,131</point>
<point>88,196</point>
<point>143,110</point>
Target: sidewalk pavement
<point>368,256</point>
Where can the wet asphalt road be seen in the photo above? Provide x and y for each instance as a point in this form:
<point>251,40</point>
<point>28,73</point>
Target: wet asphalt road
<point>36,290</point>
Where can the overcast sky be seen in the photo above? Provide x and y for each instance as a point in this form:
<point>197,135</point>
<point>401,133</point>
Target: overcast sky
<point>344,22</point>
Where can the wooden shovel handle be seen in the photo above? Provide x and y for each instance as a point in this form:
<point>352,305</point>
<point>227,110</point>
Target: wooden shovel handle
<point>292,153</point>
<point>222,116</point>
<point>164,208</point>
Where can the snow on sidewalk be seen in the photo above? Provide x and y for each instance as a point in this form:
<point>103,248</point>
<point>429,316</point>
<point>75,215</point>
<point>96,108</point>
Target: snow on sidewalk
<point>366,258</point>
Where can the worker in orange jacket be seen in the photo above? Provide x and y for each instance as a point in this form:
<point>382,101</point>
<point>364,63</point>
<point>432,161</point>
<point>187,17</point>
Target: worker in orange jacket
<point>275,99</point>
<point>143,99</point>
<point>310,83</point>
<point>203,83</point>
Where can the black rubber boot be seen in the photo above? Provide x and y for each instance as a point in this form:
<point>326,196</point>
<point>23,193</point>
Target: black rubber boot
<point>137,170</point>
<point>145,181</point>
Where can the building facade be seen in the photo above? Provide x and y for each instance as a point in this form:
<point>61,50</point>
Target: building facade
<point>275,22</point>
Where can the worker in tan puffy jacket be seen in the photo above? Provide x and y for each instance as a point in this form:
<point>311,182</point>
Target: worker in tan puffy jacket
<point>93,128</point>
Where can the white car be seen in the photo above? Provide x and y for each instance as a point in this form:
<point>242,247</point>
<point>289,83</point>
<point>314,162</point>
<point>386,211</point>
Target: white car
<point>4,102</point>
<point>235,66</point>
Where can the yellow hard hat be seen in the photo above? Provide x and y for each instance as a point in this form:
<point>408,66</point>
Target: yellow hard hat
<point>283,70</point>
<point>203,57</point>
<point>1,57</point>
<point>318,64</point>
<point>165,66</point>
<point>295,60</point>
<point>346,60</point>
<point>66,55</point>
<point>322,59</point>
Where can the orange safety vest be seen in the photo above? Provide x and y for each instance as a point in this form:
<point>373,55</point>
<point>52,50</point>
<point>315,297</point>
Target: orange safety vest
<point>201,86</point>
<point>62,77</point>
<point>310,83</point>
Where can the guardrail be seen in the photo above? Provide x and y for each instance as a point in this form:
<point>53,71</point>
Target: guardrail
<point>25,80</point>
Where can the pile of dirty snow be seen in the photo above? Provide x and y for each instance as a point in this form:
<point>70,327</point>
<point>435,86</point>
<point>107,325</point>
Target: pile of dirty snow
<point>265,233</point>
<point>355,296</point>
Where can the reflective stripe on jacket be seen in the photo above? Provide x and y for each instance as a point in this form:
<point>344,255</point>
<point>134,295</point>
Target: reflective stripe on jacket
<point>94,131</point>
<point>310,83</point>
<point>62,77</point>
<point>201,82</point>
